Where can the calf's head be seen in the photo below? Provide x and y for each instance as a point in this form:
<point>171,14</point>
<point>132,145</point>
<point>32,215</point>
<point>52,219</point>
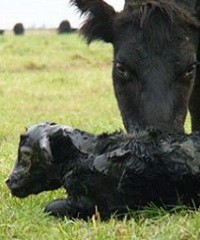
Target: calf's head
<point>33,171</point>
<point>154,60</point>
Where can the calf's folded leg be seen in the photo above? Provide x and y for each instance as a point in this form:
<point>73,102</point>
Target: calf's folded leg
<point>80,207</point>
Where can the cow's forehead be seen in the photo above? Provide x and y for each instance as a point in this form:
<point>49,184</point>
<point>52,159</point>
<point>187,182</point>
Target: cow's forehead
<point>167,13</point>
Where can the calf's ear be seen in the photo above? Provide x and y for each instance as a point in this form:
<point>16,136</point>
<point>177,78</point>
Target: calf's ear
<point>99,19</point>
<point>45,150</point>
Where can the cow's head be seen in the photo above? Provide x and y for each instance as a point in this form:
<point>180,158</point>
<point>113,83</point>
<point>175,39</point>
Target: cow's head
<point>154,59</point>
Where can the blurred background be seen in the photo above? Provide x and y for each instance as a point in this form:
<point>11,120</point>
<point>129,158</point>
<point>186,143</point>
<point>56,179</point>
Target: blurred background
<point>41,14</point>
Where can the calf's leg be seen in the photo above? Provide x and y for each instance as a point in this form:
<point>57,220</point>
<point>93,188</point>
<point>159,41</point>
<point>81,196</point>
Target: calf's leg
<point>58,208</point>
<point>80,207</point>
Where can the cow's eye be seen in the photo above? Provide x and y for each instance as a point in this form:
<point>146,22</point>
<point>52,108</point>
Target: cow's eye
<point>190,69</point>
<point>121,70</point>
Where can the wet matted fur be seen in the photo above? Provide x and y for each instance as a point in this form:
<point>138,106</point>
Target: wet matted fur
<point>113,172</point>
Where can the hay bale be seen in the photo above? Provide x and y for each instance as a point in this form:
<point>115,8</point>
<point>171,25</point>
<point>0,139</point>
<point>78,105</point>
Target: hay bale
<point>64,27</point>
<point>18,29</point>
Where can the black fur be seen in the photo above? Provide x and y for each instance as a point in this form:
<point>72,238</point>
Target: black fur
<point>122,172</point>
<point>154,48</point>
<point>99,22</point>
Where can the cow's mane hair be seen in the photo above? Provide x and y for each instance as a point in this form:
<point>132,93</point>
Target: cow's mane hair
<point>168,10</point>
<point>100,17</point>
<point>159,21</point>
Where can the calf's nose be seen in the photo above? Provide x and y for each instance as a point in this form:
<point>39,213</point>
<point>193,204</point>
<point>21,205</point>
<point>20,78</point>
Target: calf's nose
<point>12,181</point>
<point>7,182</point>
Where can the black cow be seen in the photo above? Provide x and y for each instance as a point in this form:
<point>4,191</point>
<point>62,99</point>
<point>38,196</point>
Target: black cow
<point>113,172</point>
<point>155,43</point>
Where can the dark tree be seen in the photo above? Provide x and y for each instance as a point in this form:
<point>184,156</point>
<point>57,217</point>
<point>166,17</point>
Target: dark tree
<point>18,29</point>
<point>64,27</point>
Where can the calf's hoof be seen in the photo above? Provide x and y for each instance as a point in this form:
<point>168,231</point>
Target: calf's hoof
<point>57,208</point>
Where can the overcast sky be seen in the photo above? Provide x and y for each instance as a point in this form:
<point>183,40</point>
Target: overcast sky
<point>38,13</point>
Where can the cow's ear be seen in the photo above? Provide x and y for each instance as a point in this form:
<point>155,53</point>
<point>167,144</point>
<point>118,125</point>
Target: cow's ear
<point>99,19</point>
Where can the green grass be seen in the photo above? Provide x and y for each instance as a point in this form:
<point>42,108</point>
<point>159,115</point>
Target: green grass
<point>60,79</point>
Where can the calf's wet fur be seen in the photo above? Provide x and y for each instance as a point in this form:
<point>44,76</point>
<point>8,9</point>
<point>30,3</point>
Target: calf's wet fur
<point>111,172</point>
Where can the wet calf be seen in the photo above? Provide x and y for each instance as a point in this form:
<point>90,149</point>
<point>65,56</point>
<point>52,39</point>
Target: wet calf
<point>112,173</point>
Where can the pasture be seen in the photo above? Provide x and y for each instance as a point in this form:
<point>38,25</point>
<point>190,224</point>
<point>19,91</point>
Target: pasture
<point>46,77</point>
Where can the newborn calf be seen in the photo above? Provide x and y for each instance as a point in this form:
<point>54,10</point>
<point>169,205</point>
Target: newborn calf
<point>113,172</point>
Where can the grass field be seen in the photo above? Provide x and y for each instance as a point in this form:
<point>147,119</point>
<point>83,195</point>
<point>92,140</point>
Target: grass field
<point>60,79</point>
